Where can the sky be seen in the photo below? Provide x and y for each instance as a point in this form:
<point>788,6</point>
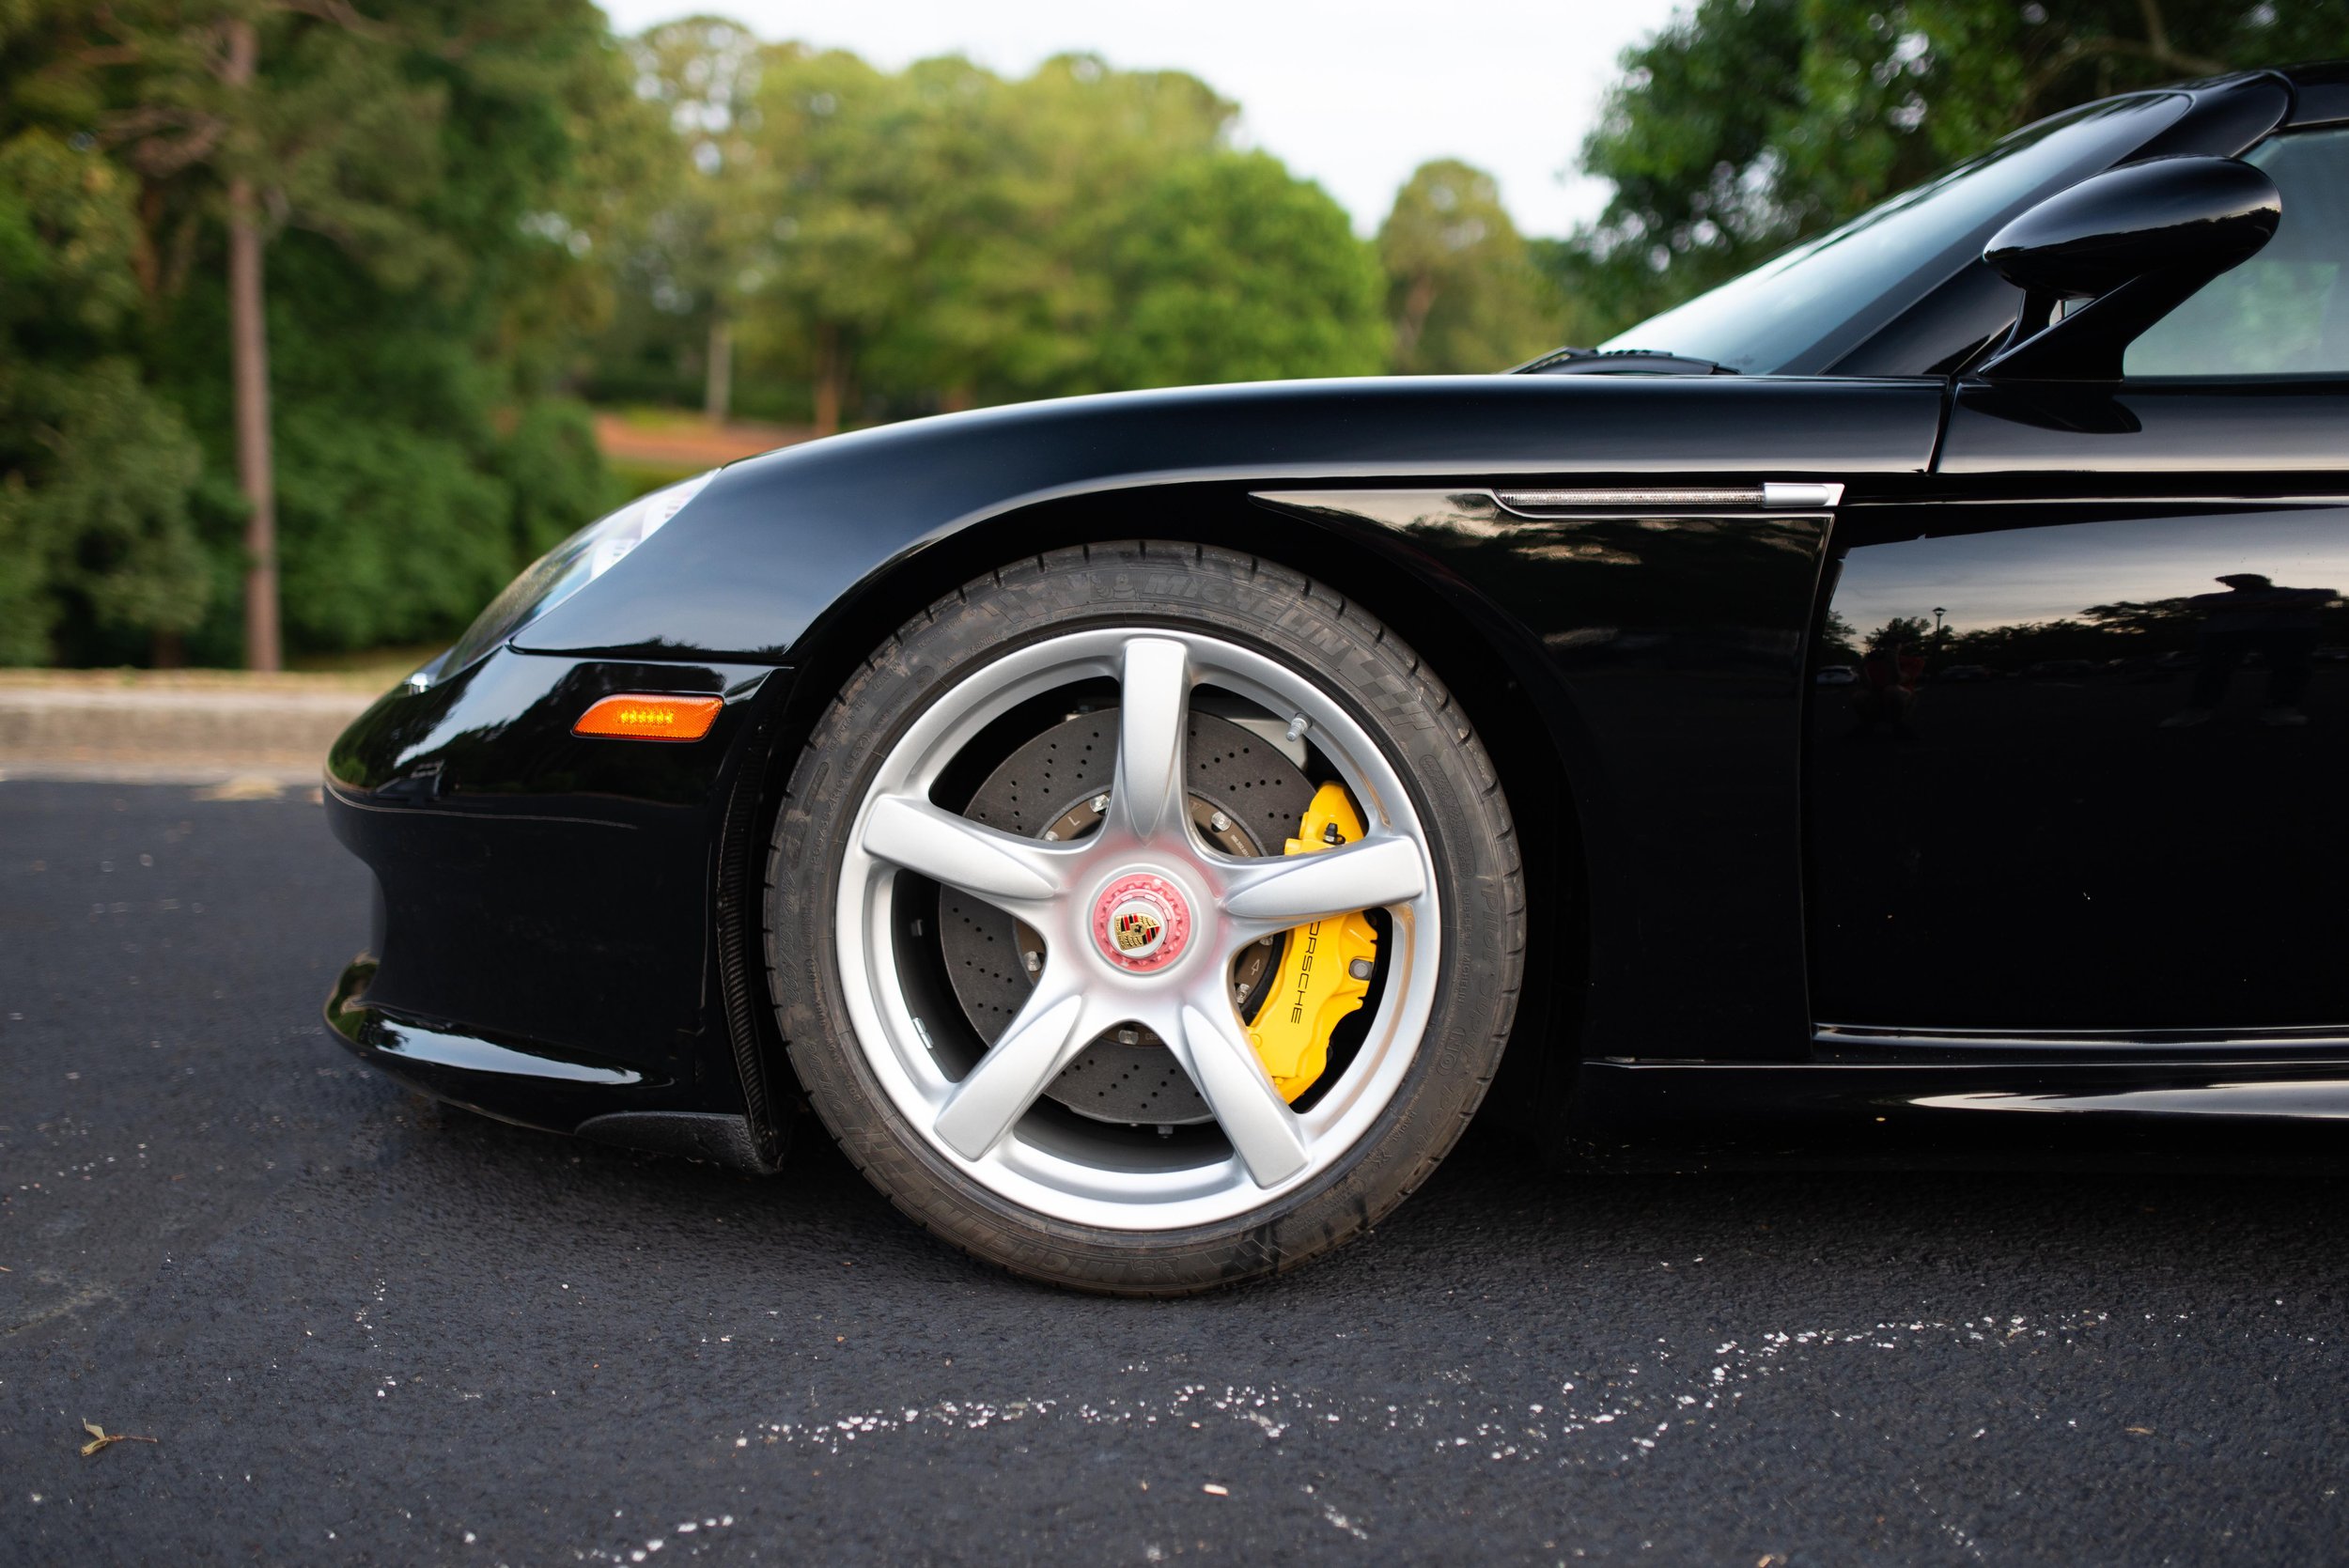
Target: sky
<point>1353,93</point>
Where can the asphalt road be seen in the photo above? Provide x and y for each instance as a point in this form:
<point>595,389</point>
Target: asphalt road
<point>361,1329</point>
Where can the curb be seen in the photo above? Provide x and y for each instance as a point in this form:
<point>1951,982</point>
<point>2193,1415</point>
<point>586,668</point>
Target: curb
<point>201,730</point>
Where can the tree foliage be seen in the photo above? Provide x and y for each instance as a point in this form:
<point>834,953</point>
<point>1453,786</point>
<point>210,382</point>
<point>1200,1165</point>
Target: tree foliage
<point>418,165</point>
<point>83,538</point>
<point>944,235</point>
<point>1228,269</point>
<point>1461,288</point>
<point>1749,124</point>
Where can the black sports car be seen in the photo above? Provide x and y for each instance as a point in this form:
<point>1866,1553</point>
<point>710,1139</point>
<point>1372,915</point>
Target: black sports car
<point>1143,827</point>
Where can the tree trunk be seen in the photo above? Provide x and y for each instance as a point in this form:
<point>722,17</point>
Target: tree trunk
<point>1417,303</point>
<point>249,347</point>
<point>828,376</point>
<point>717,387</point>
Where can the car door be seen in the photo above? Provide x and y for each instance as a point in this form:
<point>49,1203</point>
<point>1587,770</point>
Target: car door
<point>2092,778</point>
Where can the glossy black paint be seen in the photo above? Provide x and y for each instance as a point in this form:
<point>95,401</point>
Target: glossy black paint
<point>1671,650</point>
<point>543,947</point>
<point>588,909</point>
<point>779,545</point>
<point>2064,834</point>
<point>2321,94</point>
<point>2227,1114</point>
<point>2166,438</point>
<point>2133,243</point>
<point>2202,214</point>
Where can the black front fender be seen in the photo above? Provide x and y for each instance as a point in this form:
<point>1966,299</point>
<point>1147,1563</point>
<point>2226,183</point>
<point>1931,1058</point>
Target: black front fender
<point>776,541</point>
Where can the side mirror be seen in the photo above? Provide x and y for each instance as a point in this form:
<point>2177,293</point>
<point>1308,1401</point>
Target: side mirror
<point>2134,243</point>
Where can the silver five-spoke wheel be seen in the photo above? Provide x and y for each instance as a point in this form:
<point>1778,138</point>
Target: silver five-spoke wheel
<point>1147,858</point>
<point>1144,918</point>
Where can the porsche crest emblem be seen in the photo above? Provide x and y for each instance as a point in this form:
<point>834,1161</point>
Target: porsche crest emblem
<point>1137,929</point>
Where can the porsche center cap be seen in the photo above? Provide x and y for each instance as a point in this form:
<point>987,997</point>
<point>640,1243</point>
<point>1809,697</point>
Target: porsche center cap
<point>1141,922</point>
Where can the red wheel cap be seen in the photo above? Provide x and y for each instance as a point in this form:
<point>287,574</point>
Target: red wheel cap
<point>1141,922</point>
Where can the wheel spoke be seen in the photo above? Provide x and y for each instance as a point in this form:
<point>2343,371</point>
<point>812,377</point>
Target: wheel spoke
<point>1372,874</point>
<point>1040,1041</point>
<point>1154,696</point>
<point>1266,1135</point>
<point>999,867</point>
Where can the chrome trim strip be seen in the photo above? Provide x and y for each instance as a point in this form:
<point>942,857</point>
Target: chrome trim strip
<point>1774,495</point>
<point>1807,498</point>
<point>1554,501</point>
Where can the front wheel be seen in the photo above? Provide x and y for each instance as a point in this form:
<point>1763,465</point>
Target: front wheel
<point>1144,918</point>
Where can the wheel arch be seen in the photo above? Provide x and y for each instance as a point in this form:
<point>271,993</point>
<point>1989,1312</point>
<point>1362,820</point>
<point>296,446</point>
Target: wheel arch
<point>1494,670</point>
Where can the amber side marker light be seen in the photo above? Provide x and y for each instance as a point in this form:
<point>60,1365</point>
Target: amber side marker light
<point>637,716</point>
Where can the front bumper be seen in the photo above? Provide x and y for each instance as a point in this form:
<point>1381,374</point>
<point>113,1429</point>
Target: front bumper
<point>546,950</point>
<point>533,1085</point>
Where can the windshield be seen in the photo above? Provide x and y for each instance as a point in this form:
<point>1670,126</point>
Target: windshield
<point>1797,313</point>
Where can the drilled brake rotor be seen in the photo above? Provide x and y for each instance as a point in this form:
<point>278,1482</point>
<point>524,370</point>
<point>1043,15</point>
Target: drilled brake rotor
<point>1246,798</point>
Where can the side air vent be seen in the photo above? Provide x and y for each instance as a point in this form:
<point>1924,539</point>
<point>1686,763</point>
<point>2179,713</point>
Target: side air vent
<point>1773,496</point>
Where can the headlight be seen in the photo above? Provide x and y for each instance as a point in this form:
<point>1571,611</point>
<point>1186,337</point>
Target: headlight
<point>565,569</point>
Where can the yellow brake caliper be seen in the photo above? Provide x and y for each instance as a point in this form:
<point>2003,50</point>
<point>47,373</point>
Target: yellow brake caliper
<point>1324,970</point>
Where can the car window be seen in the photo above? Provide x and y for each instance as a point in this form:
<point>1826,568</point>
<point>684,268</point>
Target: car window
<point>2285,312</point>
<point>1800,310</point>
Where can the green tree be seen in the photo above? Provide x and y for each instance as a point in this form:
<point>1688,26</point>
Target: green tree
<point>842,257</point>
<point>1749,124</point>
<point>1229,268</point>
<point>1461,290</point>
<point>419,175</point>
<point>943,237</point>
<point>95,470</point>
<point>709,231</point>
<point>1080,143</point>
<point>333,138</point>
